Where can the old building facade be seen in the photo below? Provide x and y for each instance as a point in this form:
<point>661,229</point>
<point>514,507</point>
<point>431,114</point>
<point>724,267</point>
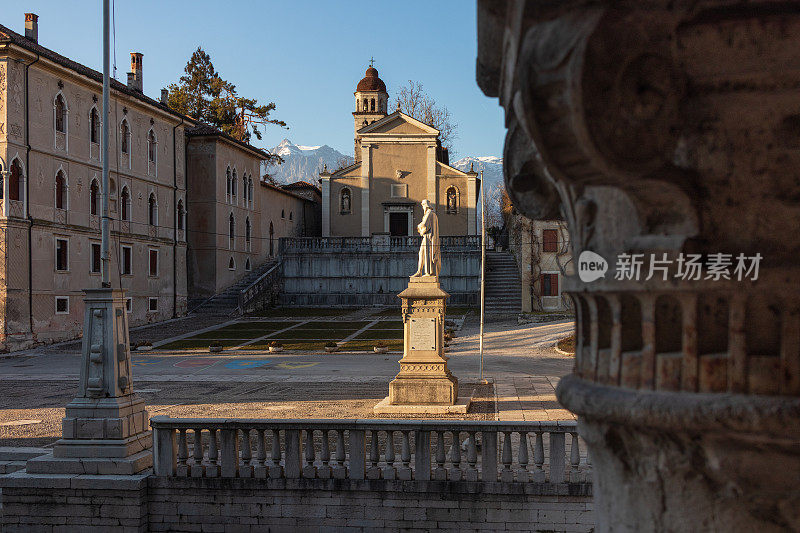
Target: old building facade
<point>50,153</point>
<point>236,218</point>
<point>399,163</point>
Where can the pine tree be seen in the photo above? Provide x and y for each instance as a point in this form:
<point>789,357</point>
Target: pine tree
<point>205,96</point>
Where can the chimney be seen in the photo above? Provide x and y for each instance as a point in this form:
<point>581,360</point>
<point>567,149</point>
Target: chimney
<point>32,27</point>
<point>135,75</point>
<point>164,96</point>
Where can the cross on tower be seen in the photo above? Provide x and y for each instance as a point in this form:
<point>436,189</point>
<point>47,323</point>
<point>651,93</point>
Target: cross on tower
<point>371,61</point>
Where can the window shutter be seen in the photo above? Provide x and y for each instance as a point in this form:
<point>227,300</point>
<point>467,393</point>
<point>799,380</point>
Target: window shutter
<point>554,284</point>
<point>549,240</point>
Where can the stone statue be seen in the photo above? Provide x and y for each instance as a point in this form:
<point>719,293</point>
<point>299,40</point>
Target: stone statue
<point>430,259</point>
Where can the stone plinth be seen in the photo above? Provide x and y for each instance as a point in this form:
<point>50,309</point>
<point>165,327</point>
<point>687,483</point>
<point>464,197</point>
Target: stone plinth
<point>105,427</point>
<point>424,383</point>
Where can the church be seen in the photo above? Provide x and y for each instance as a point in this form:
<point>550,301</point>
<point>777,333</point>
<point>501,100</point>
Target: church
<point>399,161</point>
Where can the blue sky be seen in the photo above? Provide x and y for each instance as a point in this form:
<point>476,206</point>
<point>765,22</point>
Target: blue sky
<point>306,56</point>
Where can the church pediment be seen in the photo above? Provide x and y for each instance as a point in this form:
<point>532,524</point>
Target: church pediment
<point>399,123</point>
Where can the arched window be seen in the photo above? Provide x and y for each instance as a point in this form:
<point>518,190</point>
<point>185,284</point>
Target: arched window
<point>271,240</point>
<point>247,233</point>
<point>247,265</point>
<point>61,190</point>
<point>233,187</point>
<point>452,200</point>
<point>231,231</point>
<point>291,214</point>
<point>228,185</point>
<point>372,105</point>
<point>151,146</point>
<point>345,200</point>
<point>152,210</point>
<point>181,215</point>
<point>125,135</point>
<point>244,189</point>
<point>252,190</point>
<point>60,106</point>
<point>231,264</point>
<point>366,105</point>
<point>94,126</point>
<point>94,198</point>
<point>125,201</point>
<point>283,213</point>
<point>15,180</point>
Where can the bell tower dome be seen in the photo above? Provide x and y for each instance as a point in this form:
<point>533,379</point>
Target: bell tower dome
<point>371,103</point>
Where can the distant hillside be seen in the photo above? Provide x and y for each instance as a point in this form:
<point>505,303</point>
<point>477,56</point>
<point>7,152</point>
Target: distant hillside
<point>303,162</point>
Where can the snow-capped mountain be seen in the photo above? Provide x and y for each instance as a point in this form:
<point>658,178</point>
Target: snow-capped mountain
<point>492,167</point>
<point>303,162</point>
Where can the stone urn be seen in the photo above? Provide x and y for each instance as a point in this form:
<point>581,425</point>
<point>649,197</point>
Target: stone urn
<point>331,348</point>
<point>277,348</point>
<point>380,349</point>
<point>215,348</point>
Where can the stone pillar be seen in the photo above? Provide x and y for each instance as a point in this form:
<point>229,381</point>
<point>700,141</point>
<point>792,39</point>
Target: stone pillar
<point>424,384</point>
<point>326,203</point>
<point>431,185</point>
<point>667,130</point>
<point>472,203</point>
<point>366,172</point>
<point>105,429</point>
<point>6,190</point>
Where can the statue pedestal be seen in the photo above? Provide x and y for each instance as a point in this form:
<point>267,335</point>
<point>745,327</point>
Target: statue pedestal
<point>104,430</point>
<point>424,385</point>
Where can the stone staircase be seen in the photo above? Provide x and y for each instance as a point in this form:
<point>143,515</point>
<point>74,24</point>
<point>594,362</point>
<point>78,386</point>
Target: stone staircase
<point>226,303</point>
<point>503,284</point>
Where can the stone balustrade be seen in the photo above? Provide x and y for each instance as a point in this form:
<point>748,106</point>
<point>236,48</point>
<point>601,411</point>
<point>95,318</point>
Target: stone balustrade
<point>519,452</point>
<point>262,292</point>
<point>376,243</point>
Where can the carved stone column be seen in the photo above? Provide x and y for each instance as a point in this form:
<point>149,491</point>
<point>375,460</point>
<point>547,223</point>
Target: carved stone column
<point>105,430</point>
<point>668,128</point>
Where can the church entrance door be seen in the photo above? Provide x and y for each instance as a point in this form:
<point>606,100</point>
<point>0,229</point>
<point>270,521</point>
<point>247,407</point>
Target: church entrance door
<point>398,224</point>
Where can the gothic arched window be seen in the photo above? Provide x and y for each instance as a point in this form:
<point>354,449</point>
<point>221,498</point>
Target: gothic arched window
<point>152,210</point>
<point>271,240</point>
<point>181,216</point>
<point>151,147</point>
<point>60,113</point>
<point>125,134</point>
<point>94,193</point>
<point>94,126</point>
<point>345,201</point>
<point>61,190</point>
<point>125,201</point>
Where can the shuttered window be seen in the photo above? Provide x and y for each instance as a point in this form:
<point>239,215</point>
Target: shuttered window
<point>549,284</point>
<point>549,240</point>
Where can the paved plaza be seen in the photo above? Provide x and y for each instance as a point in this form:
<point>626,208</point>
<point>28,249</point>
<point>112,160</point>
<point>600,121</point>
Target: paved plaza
<point>246,381</point>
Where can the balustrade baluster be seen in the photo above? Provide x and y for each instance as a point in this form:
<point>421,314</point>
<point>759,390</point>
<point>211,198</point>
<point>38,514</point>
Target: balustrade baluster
<point>454,473</point>
<point>275,469</point>
<point>422,455</point>
<point>373,472</point>
<point>309,470</point>
<point>212,470</point>
<point>260,468</point>
<point>339,469</point>
<point>472,458</point>
<point>389,471</point>
<point>246,468</point>
<point>489,456</point>
<point>538,459</point>
<point>439,472</point>
<point>183,454</point>
<point>324,471</point>
<point>404,472</point>
<point>507,475</point>
<point>197,454</point>
<point>557,457</point>
<point>574,458</point>
<point>522,455</point>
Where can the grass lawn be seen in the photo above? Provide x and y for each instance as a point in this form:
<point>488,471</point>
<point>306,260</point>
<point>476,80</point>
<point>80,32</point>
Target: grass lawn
<point>338,325</point>
<point>289,345</point>
<point>366,345</point>
<point>380,334</point>
<point>296,312</point>
<point>195,344</point>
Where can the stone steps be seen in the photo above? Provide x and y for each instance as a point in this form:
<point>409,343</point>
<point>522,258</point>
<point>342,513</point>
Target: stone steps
<point>503,284</point>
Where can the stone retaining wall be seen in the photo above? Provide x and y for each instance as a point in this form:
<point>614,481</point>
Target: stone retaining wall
<point>189,504</point>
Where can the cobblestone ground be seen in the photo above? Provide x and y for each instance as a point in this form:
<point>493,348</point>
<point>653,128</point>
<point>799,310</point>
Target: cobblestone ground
<point>37,407</point>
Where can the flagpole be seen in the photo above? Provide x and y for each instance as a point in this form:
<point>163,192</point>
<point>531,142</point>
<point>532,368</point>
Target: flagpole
<point>483,271</point>
<point>104,245</point>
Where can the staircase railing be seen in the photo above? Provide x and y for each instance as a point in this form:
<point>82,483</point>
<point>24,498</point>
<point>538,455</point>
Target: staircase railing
<point>262,291</point>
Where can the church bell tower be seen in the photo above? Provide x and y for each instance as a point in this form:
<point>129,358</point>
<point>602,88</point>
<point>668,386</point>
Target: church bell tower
<point>371,103</point>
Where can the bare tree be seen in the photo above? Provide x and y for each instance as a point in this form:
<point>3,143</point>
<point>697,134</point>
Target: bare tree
<point>416,103</point>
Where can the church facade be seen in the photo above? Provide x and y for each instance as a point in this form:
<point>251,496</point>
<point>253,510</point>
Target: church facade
<point>399,162</point>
